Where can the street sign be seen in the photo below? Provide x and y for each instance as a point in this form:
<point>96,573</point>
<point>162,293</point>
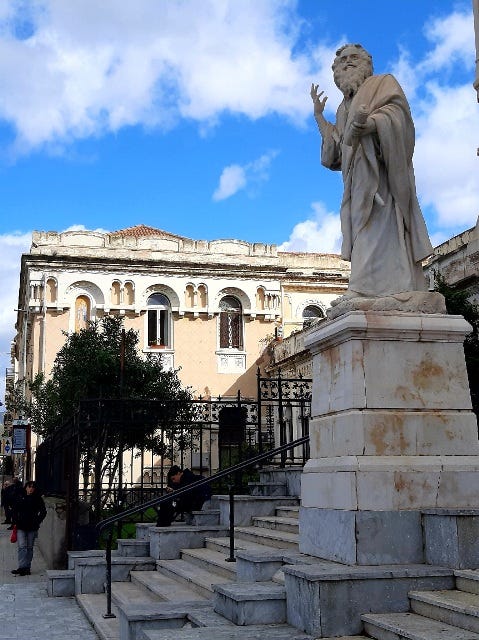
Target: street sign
<point>19,440</point>
<point>6,447</point>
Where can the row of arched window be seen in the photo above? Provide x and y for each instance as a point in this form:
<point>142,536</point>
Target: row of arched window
<point>159,320</point>
<point>195,296</point>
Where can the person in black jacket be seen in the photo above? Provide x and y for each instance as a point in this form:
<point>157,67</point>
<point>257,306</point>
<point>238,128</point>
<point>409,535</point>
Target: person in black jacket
<point>28,513</point>
<point>188,502</point>
<point>10,495</point>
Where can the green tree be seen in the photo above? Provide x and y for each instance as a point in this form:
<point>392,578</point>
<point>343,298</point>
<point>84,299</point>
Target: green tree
<point>458,303</point>
<point>121,400</point>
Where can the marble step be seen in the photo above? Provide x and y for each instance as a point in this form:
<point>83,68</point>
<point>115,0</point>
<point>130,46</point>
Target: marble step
<point>411,626</point>
<point>94,606</point>
<point>278,523</point>
<point>132,617</point>
<point>223,545</point>
<point>214,561</point>
<point>457,608</point>
<point>467,580</point>
<point>256,632</point>
<point>268,537</point>
<point>288,512</point>
<point>165,587</point>
<point>123,593</point>
<point>196,578</point>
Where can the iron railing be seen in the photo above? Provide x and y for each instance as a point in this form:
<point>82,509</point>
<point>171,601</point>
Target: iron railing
<point>218,434</point>
<point>108,523</point>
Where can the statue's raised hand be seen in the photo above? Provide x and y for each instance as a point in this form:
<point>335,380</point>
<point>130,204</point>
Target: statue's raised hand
<point>318,100</point>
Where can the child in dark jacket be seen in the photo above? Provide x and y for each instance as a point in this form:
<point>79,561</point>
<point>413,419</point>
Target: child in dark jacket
<point>28,513</point>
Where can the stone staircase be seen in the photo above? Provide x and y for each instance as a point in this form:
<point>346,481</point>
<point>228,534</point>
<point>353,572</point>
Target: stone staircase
<point>176,583</point>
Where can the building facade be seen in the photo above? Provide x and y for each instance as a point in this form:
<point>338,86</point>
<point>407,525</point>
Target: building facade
<point>209,308</point>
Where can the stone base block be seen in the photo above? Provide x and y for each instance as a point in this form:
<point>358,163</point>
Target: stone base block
<point>133,548</point>
<point>258,566</point>
<point>60,583</point>
<point>209,516</point>
<point>90,573</point>
<point>391,483</point>
<point>394,432</point>
<point>330,602</point>
<point>166,542</point>
<point>251,603</point>
<point>451,538</point>
<point>74,555</point>
<point>134,619</point>
<point>143,530</point>
<point>362,537</point>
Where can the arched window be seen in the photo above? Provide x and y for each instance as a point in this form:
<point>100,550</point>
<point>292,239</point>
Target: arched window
<point>82,313</point>
<point>260,299</point>
<point>159,321</point>
<point>189,296</point>
<point>312,314</point>
<point>202,296</point>
<point>51,290</point>
<point>231,323</point>
<point>129,293</point>
<point>115,292</point>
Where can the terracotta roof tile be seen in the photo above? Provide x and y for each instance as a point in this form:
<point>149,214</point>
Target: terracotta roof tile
<point>142,230</point>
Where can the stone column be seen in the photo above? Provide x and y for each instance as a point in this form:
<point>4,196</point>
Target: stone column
<point>392,434</point>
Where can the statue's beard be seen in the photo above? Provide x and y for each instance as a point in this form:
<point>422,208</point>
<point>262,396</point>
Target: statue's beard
<point>349,80</point>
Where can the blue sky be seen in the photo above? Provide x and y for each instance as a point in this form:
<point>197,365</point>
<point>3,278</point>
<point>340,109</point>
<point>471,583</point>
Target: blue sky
<point>194,116</point>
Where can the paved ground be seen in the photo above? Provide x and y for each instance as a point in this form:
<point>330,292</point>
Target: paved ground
<point>26,612</point>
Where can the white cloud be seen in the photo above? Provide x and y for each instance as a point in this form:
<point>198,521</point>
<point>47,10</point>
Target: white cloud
<point>88,68</point>
<point>445,158</point>
<point>319,233</point>
<point>11,248</point>
<point>81,227</point>
<point>232,180</point>
<point>452,37</point>
<point>235,177</point>
<point>447,123</point>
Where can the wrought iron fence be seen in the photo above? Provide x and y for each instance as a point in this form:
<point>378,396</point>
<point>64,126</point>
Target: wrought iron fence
<point>114,454</point>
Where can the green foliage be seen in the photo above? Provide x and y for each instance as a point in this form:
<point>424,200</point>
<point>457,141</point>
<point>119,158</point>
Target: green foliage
<point>458,303</point>
<point>117,399</point>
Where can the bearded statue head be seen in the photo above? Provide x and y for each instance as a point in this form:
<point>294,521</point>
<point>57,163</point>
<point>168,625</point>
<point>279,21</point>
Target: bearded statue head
<point>352,65</point>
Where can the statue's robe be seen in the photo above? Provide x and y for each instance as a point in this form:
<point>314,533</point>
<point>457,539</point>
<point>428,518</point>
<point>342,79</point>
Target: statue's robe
<point>384,235</point>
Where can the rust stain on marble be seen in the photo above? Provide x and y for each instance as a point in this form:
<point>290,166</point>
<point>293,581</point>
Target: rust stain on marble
<point>388,436</point>
<point>429,375</point>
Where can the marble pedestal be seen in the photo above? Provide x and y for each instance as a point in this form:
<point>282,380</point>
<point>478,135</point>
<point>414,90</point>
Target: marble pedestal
<point>392,434</point>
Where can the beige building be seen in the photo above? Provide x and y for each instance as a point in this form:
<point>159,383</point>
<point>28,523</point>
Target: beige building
<point>209,308</point>
<point>457,260</point>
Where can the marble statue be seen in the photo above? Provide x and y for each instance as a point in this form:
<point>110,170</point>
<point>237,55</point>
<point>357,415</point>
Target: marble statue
<point>372,143</point>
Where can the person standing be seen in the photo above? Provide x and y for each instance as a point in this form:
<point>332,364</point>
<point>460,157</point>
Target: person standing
<point>10,496</point>
<point>28,513</point>
<point>6,508</point>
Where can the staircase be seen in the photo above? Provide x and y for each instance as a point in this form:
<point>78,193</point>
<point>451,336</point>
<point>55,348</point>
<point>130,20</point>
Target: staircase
<point>193,587</point>
<point>188,590</point>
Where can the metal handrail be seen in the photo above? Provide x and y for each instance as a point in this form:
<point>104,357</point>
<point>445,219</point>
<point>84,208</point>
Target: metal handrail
<point>109,522</point>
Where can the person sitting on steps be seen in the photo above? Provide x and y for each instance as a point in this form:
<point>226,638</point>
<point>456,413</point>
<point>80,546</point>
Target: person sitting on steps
<point>185,504</point>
